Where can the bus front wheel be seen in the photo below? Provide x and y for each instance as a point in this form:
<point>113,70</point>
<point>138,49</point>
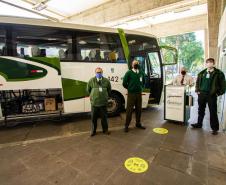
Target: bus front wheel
<point>114,104</point>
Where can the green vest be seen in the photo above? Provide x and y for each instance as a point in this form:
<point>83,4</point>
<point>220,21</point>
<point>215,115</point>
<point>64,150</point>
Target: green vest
<point>99,91</point>
<point>206,82</point>
<point>134,82</point>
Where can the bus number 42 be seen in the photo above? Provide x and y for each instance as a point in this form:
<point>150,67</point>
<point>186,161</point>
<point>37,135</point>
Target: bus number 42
<point>113,78</point>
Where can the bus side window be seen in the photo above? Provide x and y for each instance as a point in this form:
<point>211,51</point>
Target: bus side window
<point>40,41</point>
<point>87,46</point>
<point>111,44</point>
<point>99,47</point>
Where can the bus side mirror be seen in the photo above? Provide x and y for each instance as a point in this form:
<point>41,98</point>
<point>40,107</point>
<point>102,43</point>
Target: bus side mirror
<point>169,55</point>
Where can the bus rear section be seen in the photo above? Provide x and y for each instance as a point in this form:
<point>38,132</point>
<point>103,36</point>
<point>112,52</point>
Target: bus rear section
<point>30,72</point>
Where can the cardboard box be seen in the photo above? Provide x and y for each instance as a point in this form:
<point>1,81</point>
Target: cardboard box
<point>50,104</point>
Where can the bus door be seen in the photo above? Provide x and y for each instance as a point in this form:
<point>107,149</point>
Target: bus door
<point>156,76</point>
<point>150,63</point>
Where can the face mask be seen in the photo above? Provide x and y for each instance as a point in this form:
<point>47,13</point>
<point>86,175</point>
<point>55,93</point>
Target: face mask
<point>135,66</point>
<point>183,72</point>
<point>99,75</point>
<point>209,65</point>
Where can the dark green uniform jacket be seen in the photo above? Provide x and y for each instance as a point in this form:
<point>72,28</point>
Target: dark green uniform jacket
<point>134,82</point>
<point>99,91</point>
<point>217,84</point>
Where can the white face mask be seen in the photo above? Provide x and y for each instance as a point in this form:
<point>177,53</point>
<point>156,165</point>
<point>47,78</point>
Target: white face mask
<point>209,65</point>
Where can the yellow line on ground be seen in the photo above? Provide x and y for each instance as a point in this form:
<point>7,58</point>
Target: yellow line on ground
<point>18,143</point>
<point>52,138</point>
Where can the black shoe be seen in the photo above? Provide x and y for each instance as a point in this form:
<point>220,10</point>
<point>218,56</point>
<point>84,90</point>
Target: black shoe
<point>197,125</point>
<point>93,134</point>
<point>215,132</point>
<point>140,126</point>
<point>107,132</point>
<point>126,129</point>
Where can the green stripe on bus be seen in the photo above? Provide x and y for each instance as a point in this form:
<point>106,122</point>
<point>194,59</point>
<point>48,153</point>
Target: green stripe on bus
<point>73,89</point>
<point>13,70</point>
<point>53,62</point>
<point>124,45</point>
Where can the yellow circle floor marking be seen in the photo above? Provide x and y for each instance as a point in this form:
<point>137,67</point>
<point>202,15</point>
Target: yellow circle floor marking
<point>136,165</point>
<point>160,130</point>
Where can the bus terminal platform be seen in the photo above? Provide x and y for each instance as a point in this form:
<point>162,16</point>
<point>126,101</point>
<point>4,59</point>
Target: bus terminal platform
<point>63,153</point>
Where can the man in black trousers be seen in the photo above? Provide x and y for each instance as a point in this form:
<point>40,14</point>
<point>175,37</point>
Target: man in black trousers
<point>210,84</point>
<point>99,89</point>
<point>133,81</point>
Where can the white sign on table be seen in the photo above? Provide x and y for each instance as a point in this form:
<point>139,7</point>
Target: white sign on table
<point>174,103</point>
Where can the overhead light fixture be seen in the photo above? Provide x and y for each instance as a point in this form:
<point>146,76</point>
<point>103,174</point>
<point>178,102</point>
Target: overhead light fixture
<point>39,6</point>
<point>132,42</point>
<point>82,42</point>
<point>51,39</point>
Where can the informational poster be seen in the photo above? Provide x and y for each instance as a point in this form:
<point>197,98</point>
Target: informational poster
<point>174,104</point>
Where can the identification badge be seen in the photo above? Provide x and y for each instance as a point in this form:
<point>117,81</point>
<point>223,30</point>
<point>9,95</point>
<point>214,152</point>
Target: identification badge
<point>207,75</point>
<point>100,89</point>
<point>140,79</point>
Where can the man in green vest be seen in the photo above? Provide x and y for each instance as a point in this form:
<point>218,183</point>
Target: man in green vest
<point>99,89</point>
<point>210,84</point>
<point>134,81</point>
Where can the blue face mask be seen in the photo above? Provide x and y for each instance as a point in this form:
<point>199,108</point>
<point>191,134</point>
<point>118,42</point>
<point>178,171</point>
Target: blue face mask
<point>99,75</point>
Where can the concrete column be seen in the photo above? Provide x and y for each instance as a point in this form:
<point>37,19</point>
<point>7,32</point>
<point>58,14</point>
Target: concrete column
<point>206,44</point>
<point>223,6</point>
<point>214,15</point>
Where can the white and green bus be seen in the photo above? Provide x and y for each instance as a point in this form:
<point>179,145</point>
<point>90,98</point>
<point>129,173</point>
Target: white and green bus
<point>42,60</point>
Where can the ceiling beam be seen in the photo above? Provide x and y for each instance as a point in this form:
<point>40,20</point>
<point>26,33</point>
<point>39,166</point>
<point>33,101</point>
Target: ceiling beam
<point>119,9</point>
<point>157,11</point>
<point>177,27</point>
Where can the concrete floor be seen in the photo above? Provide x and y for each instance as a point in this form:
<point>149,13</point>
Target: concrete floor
<point>63,153</point>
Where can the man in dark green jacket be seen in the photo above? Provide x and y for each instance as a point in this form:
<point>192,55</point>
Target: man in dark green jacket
<point>99,89</point>
<point>134,81</point>
<point>210,84</point>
